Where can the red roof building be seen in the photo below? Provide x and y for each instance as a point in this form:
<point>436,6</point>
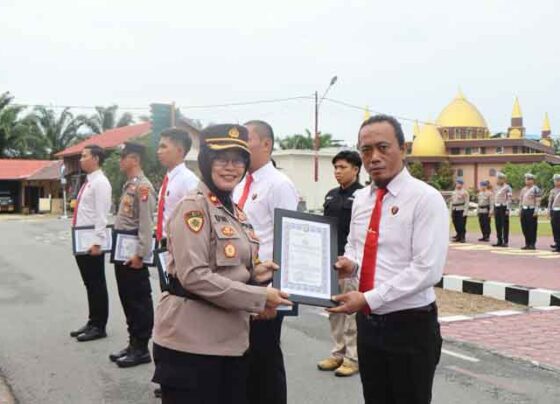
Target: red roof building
<point>19,169</point>
<point>109,139</point>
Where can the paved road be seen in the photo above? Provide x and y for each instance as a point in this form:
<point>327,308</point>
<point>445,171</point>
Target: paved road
<point>41,299</point>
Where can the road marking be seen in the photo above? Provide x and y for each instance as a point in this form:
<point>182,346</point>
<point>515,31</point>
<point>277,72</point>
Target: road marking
<point>501,313</point>
<point>460,356</point>
<point>450,319</point>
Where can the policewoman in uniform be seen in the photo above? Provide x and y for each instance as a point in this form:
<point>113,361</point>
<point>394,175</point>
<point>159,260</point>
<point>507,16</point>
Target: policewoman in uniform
<point>136,209</point>
<point>459,210</point>
<point>554,212</point>
<point>201,331</point>
<point>529,203</point>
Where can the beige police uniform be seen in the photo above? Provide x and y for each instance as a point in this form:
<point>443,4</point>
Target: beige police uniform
<point>529,202</point>
<point>459,210</point>
<point>212,255</point>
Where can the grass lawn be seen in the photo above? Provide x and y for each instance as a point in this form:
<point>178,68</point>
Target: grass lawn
<point>544,228</point>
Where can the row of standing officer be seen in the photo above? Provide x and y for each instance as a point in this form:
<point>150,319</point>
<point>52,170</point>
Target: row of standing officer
<point>498,204</point>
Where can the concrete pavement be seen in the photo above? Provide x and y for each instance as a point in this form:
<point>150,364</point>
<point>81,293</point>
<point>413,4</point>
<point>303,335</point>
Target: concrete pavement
<point>42,299</point>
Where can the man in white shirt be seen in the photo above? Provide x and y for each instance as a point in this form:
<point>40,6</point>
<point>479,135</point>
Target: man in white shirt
<point>92,208</point>
<point>398,242</point>
<point>174,144</point>
<point>264,189</point>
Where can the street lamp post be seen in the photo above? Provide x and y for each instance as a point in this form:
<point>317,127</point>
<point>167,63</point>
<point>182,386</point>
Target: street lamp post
<point>317,140</point>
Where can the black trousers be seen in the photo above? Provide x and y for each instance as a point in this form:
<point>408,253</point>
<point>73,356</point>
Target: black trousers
<point>529,226</point>
<point>187,378</point>
<point>502,224</point>
<point>555,223</point>
<point>135,293</point>
<point>267,375</point>
<point>92,269</point>
<point>484,222</point>
<point>459,223</point>
<point>398,357</point>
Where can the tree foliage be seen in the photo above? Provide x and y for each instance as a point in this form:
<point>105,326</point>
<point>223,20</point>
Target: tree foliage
<point>106,118</point>
<point>416,170</point>
<point>306,142</point>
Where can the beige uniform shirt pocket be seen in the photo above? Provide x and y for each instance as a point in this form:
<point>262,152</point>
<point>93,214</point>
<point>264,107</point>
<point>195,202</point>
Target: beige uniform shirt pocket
<point>228,245</point>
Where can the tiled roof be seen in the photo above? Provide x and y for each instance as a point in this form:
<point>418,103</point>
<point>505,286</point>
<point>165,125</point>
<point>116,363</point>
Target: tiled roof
<point>18,169</point>
<point>109,139</point>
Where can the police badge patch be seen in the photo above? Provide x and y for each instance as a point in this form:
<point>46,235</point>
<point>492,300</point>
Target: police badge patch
<point>194,220</point>
<point>230,251</point>
<point>144,193</point>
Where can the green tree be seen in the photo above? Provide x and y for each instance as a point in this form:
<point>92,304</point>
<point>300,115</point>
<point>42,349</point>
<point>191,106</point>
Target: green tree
<point>306,142</point>
<point>105,118</point>
<point>416,170</point>
<point>17,139</point>
<point>57,132</point>
<point>443,178</point>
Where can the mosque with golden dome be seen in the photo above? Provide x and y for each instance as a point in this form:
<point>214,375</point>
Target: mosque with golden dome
<point>461,137</point>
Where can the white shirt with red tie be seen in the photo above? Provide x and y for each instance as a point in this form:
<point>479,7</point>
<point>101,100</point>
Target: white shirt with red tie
<point>180,182</point>
<point>269,190</point>
<point>94,204</point>
<point>412,244</point>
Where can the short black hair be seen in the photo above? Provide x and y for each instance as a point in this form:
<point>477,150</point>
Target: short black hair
<point>179,137</point>
<point>263,129</point>
<point>391,121</point>
<point>351,156</point>
<point>96,151</point>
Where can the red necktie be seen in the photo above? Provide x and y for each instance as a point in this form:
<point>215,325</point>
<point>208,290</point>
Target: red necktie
<point>75,215</point>
<point>367,276</point>
<point>160,207</point>
<point>245,193</point>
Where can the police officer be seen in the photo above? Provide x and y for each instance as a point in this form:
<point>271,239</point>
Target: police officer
<point>484,210</point>
<point>201,331</point>
<point>529,202</point>
<point>459,210</point>
<point>502,205</point>
<point>554,212</point>
<point>135,213</point>
<point>338,203</point>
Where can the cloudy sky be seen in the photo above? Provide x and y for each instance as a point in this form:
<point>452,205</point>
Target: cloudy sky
<point>406,58</point>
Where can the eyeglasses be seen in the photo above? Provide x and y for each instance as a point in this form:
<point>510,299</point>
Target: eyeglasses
<point>236,162</point>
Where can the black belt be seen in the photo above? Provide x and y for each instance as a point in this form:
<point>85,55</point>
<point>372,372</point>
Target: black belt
<point>410,314</point>
<point>175,288</point>
<point>458,204</point>
<point>163,243</point>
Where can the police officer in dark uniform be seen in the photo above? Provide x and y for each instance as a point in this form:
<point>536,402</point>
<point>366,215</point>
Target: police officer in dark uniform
<point>135,213</point>
<point>338,203</point>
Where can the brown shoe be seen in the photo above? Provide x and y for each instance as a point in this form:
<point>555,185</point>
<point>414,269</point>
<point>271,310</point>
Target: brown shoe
<point>331,363</point>
<point>348,368</point>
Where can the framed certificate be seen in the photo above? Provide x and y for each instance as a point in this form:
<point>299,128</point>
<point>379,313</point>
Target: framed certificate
<point>162,259</point>
<point>305,247</point>
<point>83,236</point>
<point>125,244</point>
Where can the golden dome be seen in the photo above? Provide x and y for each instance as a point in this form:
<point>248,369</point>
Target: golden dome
<point>428,142</point>
<point>461,113</point>
<point>546,141</point>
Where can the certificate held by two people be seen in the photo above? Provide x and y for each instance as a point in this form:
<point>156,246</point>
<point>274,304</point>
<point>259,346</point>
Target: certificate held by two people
<point>305,248</point>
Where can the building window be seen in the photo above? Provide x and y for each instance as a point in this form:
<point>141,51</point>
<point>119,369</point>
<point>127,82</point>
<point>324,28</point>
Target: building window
<point>469,133</point>
<point>455,151</point>
<point>492,172</point>
<point>460,172</point>
<point>475,150</point>
<point>468,151</point>
<point>483,150</point>
<point>515,150</point>
<point>499,150</point>
<point>445,133</point>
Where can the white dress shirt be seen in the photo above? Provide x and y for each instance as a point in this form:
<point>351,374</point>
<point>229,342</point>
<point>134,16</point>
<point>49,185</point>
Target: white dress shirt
<point>413,240</point>
<point>95,204</point>
<point>180,181</point>
<point>270,189</point>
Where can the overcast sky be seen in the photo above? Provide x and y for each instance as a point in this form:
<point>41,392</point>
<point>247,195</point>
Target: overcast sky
<point>406,58</point>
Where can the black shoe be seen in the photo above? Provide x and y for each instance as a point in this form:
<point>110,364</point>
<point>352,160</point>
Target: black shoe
<point>135,357</point>
<point>157,392</point>
<point>80,330</point>
<point>532,247</point>
<point>498,244</point>
<point>505,245</point>
<point>553,246</point>
<point>116,355</point>
<point>462,240</point>
<point>526,247</point>
<point>91,334</point>
<point>482,239</point>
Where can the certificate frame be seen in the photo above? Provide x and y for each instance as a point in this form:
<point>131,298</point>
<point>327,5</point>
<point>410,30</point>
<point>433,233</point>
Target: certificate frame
<point>79,247</point>
<point>286,223</point>
<point>119,239</point>
<point>160,255</point>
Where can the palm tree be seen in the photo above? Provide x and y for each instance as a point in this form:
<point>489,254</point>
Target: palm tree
<point>306,142</point>
<point>57,132</point>
<point>17,138</point>
<point>105,118</point>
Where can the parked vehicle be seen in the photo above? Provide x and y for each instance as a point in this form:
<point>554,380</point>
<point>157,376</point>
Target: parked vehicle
<point>7,202</point>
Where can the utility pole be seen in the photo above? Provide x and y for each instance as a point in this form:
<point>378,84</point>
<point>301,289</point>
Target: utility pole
<point>317,140</point>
